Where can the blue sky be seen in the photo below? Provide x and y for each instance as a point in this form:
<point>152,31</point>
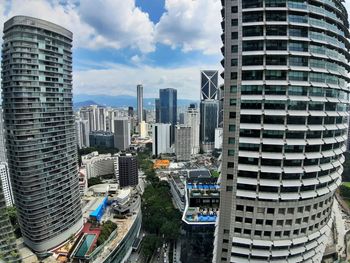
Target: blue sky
<point>120,43</point>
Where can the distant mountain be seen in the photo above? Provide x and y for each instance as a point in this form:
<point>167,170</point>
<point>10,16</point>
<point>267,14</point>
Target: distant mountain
<point>81,100</point>
<point>84,103</point>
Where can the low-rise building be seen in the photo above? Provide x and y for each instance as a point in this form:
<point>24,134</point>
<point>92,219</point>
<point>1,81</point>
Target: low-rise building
<point>97,165</point>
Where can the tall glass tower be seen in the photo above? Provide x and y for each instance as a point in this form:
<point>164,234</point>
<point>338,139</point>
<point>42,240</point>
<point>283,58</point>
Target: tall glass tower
<point>39,129</point>
<point>140,117</point>
<point>285,127</point>
<point>168,108</point>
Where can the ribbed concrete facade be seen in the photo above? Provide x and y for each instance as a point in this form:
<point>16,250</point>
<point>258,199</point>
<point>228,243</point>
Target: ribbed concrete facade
<point>40,131</point>
<point>285,128</point>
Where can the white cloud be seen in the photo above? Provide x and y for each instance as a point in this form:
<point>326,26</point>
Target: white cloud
<point>191,25</point>
<point>122,80</point>
<point>95,23</point>
<point>118,23</point>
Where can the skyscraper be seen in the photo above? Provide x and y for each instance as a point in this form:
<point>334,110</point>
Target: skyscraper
<point>192,120</point>
<point>209,117</point>
<point>139,103</point>
<point>209,84</point>
<point>83,131</point>
<point>6,184</point>
<point>161,138</point>
<point>209,109</point>
<point>183,144</point>
<point>122,134</point>
<point>157,109</point>
<point>128,173</point>
<point>8,249</point>
<point>285,125</point>
<point>168,108</point>
<point>40,130</point>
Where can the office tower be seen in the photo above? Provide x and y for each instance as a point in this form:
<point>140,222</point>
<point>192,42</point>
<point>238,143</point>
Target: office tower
<point>130,111</point>
<point>285,126</point>
<point>8,249</point>
<point>221,105</point>
<point>83,131</point>
<point>192,120</point>
<point>209,109</point>
<point>40,130</point>
<point>128,173</point>
<point>122,134</point>
<point>139,103</point>
<point>209,84</point>
<point>157,110</point>
<point>161,138</point>
<point>183,144</point>
<point>208,123</point>
<point>182,118</point>
<point>6,184</point>
<point>101,139</point>
<point>168,109</point>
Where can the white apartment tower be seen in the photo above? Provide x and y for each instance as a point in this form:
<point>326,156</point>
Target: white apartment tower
<point>192,120</point>
<point>161,138</point>
<point>183,144</point>
<point>285,127</point>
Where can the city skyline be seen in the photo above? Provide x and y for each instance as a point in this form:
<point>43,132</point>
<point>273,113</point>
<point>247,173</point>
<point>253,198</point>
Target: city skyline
<point>111,59</point>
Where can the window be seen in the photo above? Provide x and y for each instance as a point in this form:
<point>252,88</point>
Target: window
<point>276,45</point>
<point>234,35</point>
<point>298,61</point>
<point>252,75</point>
<point>232,127</point>
<point>232,115</point>
<point>276,30</point>
<point>234,62</point>
<point>234,48</point>
<point>234,9</point>
<point>253,45</point>
<point>298,75</point>
<point>229,176</point>
<point>252,60</point>
<point>275,75</point>
<point>229,188</point>
<point>230,165</point>
<point>250,31</point>
<point>231,152</point>
<point>233,89</point>
<point>276,16</point>
<point>231,140</point>
<point>234,22</point>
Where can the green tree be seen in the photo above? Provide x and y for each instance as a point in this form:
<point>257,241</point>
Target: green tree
<point>106,230</point>
<point>93,181</point>
<point>150,244</point>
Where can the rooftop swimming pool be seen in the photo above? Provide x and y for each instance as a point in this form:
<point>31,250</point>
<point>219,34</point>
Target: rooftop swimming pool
<point>85,245</point>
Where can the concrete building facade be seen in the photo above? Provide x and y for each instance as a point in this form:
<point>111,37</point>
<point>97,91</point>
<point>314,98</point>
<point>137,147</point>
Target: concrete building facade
<point>285,128</point>
<point>122,134</point>
<point>139,103</point>
<point>183,144</point>
<point>40,130</point>
<point>161,133</point>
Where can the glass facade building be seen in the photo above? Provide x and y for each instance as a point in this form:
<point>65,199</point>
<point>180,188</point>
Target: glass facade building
<point>209,114</point>
<point>40,131</point>
<point>168,108</point>
<point>285,127</point>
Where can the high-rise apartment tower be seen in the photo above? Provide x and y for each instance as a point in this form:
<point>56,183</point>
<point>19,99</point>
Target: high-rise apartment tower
<point>40,130</point>
<point>285,128</point>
